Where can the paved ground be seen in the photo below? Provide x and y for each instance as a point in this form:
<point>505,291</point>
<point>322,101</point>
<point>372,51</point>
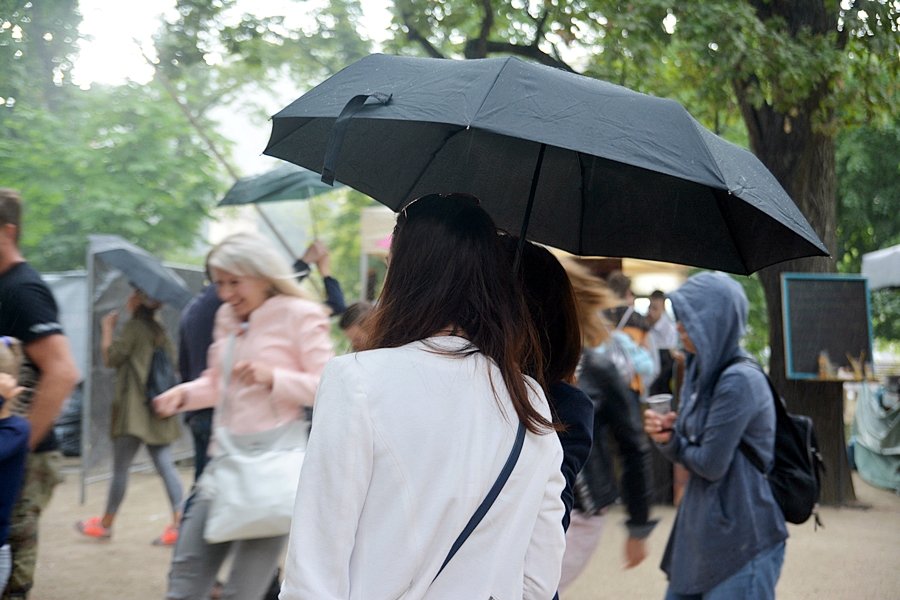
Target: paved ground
<point>855,556</point>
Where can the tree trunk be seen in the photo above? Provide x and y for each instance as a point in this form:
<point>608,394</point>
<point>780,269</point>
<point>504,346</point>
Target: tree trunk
<point>803,161</point>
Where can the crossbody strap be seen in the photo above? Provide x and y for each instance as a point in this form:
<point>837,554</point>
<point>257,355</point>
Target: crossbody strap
<point>225,379</point>
<point>489,499</point>
<point>624,320</point>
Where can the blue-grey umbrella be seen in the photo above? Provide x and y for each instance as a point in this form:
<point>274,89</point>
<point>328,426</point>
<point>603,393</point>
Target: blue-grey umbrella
<point>143,270</point>
<point>587,166</point>
<point>284,182</point>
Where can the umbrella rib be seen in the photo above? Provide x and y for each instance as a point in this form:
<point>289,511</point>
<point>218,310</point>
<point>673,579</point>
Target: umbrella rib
<point>427,166</point>
<point>490,88</point>
<point>720,201</point>
<point>583,208</point>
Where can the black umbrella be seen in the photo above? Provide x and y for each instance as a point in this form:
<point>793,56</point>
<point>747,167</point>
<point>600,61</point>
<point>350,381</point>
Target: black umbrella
<point>142,269</point>
<point>587,166</point>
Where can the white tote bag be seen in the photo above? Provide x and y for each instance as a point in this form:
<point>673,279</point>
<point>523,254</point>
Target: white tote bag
<point>252,482</point>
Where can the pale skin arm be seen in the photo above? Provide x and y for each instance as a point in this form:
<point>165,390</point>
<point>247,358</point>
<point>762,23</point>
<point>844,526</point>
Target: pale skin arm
<point>107,327</point>
<point>59,375</point>
<point>659,427</point>
<point>635,552</point>
<point>9,387</point>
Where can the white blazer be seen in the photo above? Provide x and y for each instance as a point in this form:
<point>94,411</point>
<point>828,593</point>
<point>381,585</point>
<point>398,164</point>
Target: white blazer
<point>405,444</point>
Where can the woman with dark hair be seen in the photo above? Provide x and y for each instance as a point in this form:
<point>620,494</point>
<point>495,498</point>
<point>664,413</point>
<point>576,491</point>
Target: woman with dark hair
<point>410,435</point>
<point>133,422</point>
<point>615,415</point>
<point>551,305</point>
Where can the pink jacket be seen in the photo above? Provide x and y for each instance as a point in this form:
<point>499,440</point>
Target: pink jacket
<point>287,333</point>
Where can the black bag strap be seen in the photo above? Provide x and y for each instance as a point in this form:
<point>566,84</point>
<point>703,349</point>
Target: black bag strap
<point>780,410</point>
<point>489,499</point>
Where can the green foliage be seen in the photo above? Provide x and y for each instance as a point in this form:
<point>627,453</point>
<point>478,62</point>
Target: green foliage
<point>37,43</point>
<point>110,160</point>
<point>756,340</point>
<point>251,49</point>
<point>868,173</point>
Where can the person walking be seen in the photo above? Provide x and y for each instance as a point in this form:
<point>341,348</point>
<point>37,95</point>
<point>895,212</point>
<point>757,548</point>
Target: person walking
<point>553,311</point>
<point>48,375</point>
<point>133,423</point>
<point>729,535</point>
<point>616,416</point>
<point>411,434</point>
<point>270,347</point>
<point>195,336</point>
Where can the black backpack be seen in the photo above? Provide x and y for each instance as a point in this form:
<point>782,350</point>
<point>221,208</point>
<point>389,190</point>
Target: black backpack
<point>795,477</point>
<point>161,376</point>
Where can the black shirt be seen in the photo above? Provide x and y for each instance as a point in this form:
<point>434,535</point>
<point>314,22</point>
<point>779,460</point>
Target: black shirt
<point>28,312</point>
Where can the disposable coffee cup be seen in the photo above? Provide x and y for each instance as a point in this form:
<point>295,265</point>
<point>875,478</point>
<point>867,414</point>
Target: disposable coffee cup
<point>660,403</point>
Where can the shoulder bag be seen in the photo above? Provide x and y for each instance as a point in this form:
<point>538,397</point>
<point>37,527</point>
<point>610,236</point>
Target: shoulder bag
<point>252,483</point>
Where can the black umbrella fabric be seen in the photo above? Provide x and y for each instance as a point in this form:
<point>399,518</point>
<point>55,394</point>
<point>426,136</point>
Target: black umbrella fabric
<point>593,168</point>
<point>142,269</point>
<point>285,182</point>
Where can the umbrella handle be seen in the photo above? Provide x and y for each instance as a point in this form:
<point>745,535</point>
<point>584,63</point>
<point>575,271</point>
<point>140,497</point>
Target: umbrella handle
<point>339,129</point>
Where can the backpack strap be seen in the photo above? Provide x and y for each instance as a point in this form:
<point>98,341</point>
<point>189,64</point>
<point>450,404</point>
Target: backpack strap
<point>780,410</point>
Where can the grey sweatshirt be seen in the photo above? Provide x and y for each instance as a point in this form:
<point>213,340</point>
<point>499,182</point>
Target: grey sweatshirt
<point>728,514</point>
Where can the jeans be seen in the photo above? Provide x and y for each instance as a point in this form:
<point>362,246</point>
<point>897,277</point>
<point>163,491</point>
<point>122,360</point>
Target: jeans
<point>125,447</point>
<point>5,564</point>
<point>755,581</point>
<point>195,563</point>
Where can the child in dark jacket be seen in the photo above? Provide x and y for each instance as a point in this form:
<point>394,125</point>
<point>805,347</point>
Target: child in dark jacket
<point>14,432</point>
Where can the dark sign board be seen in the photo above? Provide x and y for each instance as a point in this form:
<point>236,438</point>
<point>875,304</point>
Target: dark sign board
<point>826,323</point>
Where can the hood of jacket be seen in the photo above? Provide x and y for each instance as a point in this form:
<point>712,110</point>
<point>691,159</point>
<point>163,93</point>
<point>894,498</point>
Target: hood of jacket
<point>713,309</point>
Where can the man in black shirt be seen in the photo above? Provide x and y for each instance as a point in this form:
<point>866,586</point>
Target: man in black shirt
<point>28,312</point>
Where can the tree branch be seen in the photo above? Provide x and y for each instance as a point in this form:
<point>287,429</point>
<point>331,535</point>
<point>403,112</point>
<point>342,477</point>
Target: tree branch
<point>413,35</point>
<point>532,52</point>
<point>477,48</point>
<point>539,24</point>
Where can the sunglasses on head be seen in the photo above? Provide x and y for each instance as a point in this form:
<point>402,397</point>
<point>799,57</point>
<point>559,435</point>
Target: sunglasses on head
<point>453,196</point>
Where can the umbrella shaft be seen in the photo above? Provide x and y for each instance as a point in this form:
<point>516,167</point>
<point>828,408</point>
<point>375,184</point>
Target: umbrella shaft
<point>534,183</point>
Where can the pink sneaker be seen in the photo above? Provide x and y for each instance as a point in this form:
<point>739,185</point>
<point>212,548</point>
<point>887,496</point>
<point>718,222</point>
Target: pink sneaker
<point>168,537</point>
<point>93,528</point>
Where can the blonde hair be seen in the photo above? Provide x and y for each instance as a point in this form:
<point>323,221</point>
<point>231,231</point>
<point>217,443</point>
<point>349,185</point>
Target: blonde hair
<point>251,255</point>
<point>10,356</point>
<point>592,295</point>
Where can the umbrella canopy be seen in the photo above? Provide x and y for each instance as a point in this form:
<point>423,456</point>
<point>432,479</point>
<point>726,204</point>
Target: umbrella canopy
<point>285,182</point>
<point>600,169</point>
<point>142,269</point>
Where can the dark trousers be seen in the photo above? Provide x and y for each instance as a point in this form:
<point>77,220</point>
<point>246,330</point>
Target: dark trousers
<point>200,423</point>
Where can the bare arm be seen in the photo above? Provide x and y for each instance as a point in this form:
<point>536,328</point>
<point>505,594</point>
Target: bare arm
<point>59,375</point>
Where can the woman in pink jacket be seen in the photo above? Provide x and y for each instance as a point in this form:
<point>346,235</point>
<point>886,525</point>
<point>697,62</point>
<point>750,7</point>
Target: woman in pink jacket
<point>276,344</point>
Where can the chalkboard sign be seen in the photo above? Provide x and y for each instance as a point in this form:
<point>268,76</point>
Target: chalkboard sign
<point>826,323</point>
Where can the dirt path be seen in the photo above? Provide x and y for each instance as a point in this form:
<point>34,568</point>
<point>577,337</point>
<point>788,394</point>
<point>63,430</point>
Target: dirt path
<point>855,556</point>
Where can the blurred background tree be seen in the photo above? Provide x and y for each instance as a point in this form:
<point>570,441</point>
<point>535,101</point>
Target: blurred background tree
<point>111,159</point>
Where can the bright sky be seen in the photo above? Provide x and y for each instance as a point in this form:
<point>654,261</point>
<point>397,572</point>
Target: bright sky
<point>112,56</point>
<point>117,30</point>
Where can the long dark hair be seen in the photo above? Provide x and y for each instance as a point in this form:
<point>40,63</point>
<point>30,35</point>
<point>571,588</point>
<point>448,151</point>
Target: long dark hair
<point>447,269</point>
<point>551,304</point>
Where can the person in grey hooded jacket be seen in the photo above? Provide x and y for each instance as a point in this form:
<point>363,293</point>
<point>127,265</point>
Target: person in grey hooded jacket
<point>728,538</point>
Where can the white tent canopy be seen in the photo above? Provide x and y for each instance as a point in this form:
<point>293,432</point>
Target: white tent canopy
<point>882,267</point>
